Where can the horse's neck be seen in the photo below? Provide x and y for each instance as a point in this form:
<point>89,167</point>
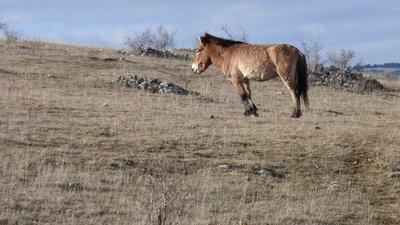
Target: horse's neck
<point>217,57</point>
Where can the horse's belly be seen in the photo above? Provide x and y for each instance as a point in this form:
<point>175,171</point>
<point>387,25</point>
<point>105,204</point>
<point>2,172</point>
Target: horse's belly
<point>260,71</point>
<point>261,76</point>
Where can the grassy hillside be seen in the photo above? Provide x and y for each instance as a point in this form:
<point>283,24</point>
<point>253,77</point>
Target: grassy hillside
<point>76,148</point>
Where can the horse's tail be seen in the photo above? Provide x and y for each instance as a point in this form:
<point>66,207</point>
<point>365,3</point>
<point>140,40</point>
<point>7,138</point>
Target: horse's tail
<point>302,85</point>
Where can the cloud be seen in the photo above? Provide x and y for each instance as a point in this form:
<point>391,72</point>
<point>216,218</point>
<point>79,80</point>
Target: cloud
<point>338,24</point>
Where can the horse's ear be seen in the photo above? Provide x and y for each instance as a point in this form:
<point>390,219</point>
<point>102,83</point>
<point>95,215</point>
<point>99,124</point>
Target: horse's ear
<point>202,40</point>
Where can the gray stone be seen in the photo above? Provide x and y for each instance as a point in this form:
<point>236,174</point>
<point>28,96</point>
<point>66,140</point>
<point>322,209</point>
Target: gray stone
<point>347,79</point>
<point>156,86</point>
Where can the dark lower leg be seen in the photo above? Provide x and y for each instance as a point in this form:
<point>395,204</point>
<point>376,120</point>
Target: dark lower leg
<point>250,108</point>
<point>297,111</point>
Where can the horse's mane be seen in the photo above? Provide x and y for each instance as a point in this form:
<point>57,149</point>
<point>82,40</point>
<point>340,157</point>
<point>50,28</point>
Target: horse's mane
<point>221,41</point>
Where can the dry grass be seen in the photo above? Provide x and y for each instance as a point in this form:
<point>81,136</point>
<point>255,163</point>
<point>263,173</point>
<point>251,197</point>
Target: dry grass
<point>77,149</point>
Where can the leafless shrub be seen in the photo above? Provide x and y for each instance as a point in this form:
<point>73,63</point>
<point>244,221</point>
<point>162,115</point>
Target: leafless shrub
<point>141,40</point>
<point>340,59</point>
<point>359,66</point>
<point>2,25</point>
<point>312,51</point>
<point>241,36</point>
<point>9,32</point>
<point>160,38</point>
<point>164,38</point>
<point>166,194</point>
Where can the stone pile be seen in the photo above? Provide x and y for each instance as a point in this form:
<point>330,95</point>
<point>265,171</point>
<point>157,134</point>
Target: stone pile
<point>345,79</point>
<point>157,86</point>
<point>153,85</point>
<point>163,54</point>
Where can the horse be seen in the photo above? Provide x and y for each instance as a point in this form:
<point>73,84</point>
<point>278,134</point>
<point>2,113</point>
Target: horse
<point>242,62</point>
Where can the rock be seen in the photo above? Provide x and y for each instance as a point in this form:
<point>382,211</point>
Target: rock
<point>394,169</point>
<point>225,166</point>
<point>75,185</point>
<point>347,79</point>
<point>72,186</point>
<point>164,85</point>
<point>155,81</point>
<point>139,80</point>
<point>204,98</point>
<point>393,172</point>
<point>369,85</point>
<point>265,171</point>
<point>161,54</point>
<point>143,85</point>
<point>157,86</point>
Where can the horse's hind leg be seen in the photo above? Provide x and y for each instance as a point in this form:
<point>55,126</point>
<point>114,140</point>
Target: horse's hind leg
<point>243,88</point>
<point>290,84</point>
<point>296,110</point>
<point>287,73</point>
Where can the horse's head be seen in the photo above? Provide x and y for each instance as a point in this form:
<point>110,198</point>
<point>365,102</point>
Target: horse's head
<point>201,59</point>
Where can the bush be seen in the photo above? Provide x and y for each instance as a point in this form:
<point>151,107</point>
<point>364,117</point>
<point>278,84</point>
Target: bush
<point>160,39</point>
<point>312,51</point>
<point>8,32</point>
<point>340,59</point>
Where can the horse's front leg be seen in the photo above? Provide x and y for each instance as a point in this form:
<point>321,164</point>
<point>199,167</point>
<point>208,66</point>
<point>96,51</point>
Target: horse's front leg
<point>243,88</point>
<point>253,107</point>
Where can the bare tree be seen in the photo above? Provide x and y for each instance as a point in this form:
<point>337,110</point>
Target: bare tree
<point>164,38</point>
<point>312,51</point>
<point>166,193</point>
<point>359,65</point>
<point>2,25</point>
<point>160,38</point>
<point>340,59</point>
<point>141,41</point>
<point>9,32</point>
<point>241,36</point>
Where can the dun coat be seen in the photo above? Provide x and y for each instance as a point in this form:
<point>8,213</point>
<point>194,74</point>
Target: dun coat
<point>242,62</point>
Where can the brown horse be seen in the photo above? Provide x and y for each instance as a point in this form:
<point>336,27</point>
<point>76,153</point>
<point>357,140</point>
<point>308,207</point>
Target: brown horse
<point>242,62</point>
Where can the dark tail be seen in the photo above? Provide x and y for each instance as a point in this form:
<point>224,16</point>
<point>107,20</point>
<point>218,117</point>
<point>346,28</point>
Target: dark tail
<point>302,85</point>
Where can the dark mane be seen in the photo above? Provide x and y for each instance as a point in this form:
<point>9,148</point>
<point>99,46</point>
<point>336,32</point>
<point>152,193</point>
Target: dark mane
<point>221,41</point>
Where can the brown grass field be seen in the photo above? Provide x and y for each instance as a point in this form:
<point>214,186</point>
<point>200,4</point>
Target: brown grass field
<point>76,148</point>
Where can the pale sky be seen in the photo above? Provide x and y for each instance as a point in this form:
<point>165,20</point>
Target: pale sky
<point>369,27</point>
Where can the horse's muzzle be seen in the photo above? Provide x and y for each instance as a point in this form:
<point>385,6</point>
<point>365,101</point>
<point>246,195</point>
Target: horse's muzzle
<point>195,69</point>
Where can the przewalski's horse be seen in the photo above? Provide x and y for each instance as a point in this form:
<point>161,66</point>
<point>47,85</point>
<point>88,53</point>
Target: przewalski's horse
<point>242,62</point>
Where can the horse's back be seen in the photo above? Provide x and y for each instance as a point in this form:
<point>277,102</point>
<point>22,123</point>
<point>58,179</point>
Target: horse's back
<point>262,53</point>
<point>260,62</point>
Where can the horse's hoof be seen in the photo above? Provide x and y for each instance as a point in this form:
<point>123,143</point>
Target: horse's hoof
<point>250,112</point>
<point>296,114</point>
<point>255,114</point>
